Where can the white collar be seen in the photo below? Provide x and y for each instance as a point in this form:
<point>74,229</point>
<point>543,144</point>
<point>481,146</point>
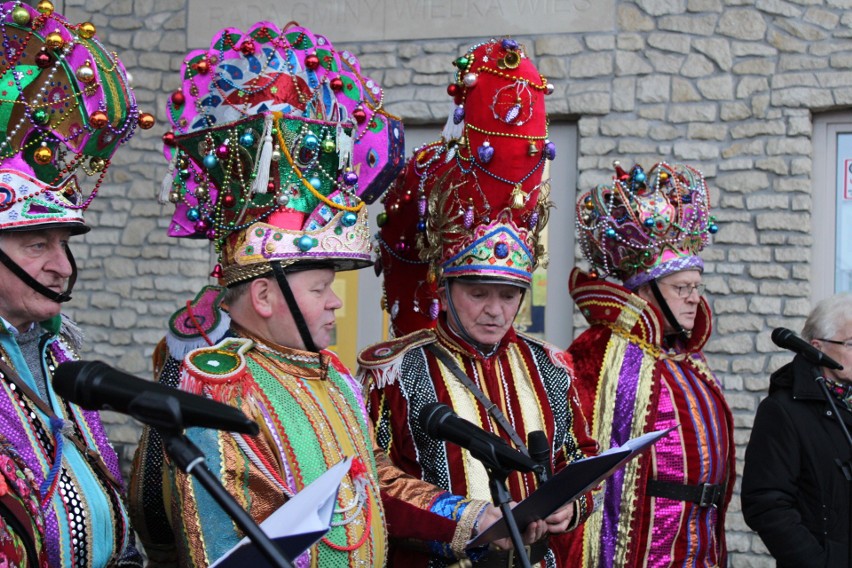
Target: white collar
<point>12,329</point>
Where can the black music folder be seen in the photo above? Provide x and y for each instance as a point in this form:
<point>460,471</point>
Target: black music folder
<point>569,484</point>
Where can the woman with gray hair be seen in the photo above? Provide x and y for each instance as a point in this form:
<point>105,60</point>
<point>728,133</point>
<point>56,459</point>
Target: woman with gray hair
<point>798,467</point>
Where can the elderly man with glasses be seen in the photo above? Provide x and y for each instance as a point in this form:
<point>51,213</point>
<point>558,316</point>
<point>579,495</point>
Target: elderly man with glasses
<point>795,490</point>
<point>640,368</point>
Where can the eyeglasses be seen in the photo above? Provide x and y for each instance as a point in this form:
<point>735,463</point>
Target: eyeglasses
<point>686,290</point>
<point>846,344</point>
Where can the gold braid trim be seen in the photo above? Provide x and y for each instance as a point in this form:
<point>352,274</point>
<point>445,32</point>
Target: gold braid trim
<point>649,348</point>
<point>233,274</point>
<point>465,526</point>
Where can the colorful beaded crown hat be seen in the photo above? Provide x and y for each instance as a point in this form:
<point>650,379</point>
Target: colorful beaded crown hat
<point>278,141</point>
<point>65,106</point>
<point>490,199</point>
<point>644,226</point>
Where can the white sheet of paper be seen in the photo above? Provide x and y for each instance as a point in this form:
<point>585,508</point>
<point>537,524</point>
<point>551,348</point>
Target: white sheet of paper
<point>302,520</point>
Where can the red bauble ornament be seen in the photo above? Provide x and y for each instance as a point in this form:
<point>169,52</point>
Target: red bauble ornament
<point>247,48</point>
<point>359,115</point>
<point>336,84</point>
<point>178,99</point>
<point>312,61</point>
<point>98,119</point>
<point>452,89</point>
<point>169,138</point>
<point>146,120</point>
<point>203,67</point>
<point>229,200</point>
<point>43,59</point>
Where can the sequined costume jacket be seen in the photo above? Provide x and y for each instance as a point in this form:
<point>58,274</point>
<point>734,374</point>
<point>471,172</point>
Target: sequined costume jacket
<point>311,416</point>
<point>528,380</point>
<point>80,518</point>
<point>629,385</point>
<point>152,502</point>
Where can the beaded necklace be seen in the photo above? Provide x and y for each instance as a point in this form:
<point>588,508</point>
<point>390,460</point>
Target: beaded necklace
<point>485,170</point>
<point>539,87</point>
<point>309,186</point>
<point>505,134</point>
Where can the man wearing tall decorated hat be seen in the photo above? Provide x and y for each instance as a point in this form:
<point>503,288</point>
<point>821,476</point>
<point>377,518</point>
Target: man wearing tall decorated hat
<point>278,141</point>
<point>65,106</point>
<point>640,368</point>
<point>477,201</point>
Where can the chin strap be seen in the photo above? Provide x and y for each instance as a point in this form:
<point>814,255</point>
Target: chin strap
<point>298,318</point>
<point>667,312</point>
<point>36,285</point>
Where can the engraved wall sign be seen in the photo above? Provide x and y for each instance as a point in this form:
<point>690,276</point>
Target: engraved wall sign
<point>380,20</point>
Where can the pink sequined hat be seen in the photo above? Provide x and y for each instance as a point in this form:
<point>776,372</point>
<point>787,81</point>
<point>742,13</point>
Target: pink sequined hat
<point>278,142</point>
<point>65,107</point>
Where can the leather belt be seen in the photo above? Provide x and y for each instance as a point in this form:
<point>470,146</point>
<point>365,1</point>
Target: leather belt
<point>506,558</point>
<point>704,495</point>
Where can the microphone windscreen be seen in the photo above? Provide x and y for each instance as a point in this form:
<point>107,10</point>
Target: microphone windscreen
<point>780,336</point>
<point>431,415</point>
<point>538,446</point>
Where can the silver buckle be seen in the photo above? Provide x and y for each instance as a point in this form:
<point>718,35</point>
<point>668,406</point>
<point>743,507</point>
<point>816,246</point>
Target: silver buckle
<point>511,556</point>
<point>709,495</point>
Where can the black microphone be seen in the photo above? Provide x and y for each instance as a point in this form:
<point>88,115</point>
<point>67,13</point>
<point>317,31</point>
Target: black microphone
<point>439,421</point>
<point>94,385</point>
<point>786,339</point>
<point>539,448</point>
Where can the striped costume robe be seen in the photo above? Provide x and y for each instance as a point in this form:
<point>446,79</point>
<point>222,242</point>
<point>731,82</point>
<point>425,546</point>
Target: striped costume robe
<point>79,518</point>
<point>629,384</point>
<point>528,380</point>
<point>311,416</point>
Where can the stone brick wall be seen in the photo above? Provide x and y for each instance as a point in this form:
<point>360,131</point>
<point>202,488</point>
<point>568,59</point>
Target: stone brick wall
<point>727,85</point>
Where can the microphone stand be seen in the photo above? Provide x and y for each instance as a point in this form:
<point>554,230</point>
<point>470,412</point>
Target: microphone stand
<point>497,475</point>
<point>500,495</point>
<point>162,412</point>
<point>845,467</point>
